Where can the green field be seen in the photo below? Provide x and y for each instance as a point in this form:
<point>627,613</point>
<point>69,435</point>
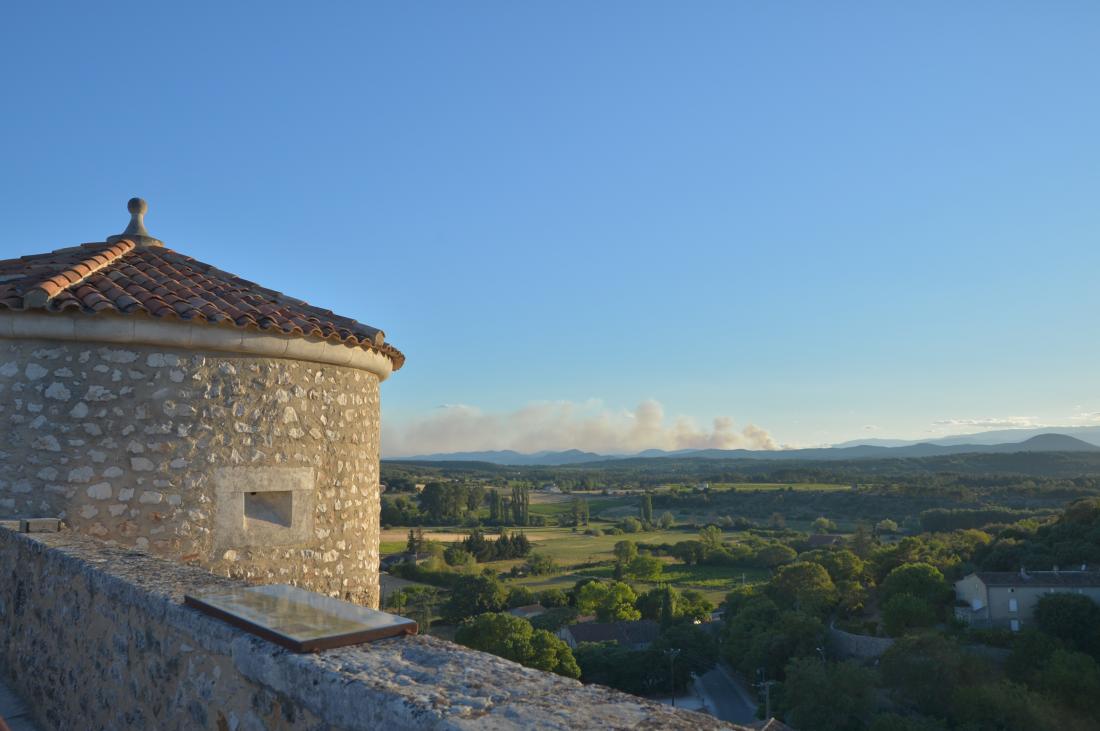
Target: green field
<point>570,548</point>
<point>544,504</point>
<point>576,552</point>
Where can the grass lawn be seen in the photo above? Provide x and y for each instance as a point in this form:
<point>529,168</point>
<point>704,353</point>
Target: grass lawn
<point>385,548</point>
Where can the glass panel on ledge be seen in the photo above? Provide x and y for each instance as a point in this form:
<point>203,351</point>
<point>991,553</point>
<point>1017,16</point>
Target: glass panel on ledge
<point>300,620</point>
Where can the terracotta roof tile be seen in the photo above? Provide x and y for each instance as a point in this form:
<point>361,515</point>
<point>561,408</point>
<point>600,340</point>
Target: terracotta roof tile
<point>157,281</point>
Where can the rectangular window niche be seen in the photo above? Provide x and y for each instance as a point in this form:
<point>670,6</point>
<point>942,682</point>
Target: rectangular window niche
<point>263,510</point>
<point>260,507</point>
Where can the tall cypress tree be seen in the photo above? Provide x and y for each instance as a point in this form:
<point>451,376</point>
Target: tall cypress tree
<point>521,501</point>
<point>495,505</point>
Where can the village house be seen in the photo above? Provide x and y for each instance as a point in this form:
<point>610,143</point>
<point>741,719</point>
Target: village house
<point>1007,599</point>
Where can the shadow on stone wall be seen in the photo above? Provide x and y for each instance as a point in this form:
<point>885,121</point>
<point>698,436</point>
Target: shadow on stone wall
<point>96,636</point>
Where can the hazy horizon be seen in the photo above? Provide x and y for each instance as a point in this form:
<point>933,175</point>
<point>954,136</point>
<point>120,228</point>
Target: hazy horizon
<point>1005,435</point>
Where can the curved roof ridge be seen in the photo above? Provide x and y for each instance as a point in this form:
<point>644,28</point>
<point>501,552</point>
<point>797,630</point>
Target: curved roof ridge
<point>124,278</point>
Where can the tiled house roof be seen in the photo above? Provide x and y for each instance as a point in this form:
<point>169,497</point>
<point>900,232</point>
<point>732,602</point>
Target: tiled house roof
<point>124,278</point>
<point>1040,578</point>
<point>772,724</point>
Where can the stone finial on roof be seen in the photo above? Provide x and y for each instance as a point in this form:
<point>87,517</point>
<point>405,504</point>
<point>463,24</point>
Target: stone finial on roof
<point>136,230</point>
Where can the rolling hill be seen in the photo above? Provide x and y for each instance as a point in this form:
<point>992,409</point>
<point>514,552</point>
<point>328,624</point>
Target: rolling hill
<point>1046,442</point>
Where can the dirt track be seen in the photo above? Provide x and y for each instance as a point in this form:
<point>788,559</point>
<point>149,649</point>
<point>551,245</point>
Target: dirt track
<point>401,534</point>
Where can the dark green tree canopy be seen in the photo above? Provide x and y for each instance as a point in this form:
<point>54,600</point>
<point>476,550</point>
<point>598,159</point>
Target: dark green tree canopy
<point>1072,618</point>
<point>515,639</point>
<point>473,595</point>
<point>805,586</point>
<point>921,580</point>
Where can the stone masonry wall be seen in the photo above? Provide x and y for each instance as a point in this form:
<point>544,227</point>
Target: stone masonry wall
<point>138,445</point>
<point>95,637</point>
<point>862,647</point>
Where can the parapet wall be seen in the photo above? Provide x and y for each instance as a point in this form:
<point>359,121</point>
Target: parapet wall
<point>95,636</point>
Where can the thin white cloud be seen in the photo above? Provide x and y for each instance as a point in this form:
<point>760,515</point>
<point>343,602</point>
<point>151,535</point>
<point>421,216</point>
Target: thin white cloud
<point>564,425</point>
<point>1007,422</point>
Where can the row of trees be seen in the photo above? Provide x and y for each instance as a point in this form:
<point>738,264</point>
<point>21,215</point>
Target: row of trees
<point>578,512</point>
<point>451,503</point>
<point>610,601</point>
<point>949,519</point>
<point>506,546</point>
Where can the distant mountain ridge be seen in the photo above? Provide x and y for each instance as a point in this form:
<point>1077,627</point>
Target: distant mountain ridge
<point>1090,434</point>
<point>1042,442</point>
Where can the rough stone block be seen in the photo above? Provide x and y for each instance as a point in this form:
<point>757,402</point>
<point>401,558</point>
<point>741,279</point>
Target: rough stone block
<point>40,525</point>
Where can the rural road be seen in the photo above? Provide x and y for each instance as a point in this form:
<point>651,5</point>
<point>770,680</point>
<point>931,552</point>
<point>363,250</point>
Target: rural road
<point>725,694</point>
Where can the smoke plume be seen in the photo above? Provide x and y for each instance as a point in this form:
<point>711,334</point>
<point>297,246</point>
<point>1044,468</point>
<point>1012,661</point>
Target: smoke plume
<point>563,425</point>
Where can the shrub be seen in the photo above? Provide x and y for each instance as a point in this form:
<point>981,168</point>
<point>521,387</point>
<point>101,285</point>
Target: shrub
<point>773,555</point>
<point>519,596</point>
<point>541,565</point>
<point>645,568</point>
<point>550,598</point>
<point>459,557</point>
<point>886,526</point>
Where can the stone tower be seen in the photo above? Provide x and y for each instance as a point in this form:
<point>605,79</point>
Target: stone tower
<point>159,403</point>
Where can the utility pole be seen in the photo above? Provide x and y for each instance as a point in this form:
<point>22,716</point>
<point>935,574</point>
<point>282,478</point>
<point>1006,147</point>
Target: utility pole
<point>672,655</point>
<point>768,699</point>
<point>767,686</point>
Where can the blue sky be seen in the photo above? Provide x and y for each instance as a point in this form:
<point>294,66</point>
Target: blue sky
<point>604,225</point>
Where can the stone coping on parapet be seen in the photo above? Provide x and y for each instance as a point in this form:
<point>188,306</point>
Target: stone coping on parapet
<point>181,335</point>
<point>416,682</point>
